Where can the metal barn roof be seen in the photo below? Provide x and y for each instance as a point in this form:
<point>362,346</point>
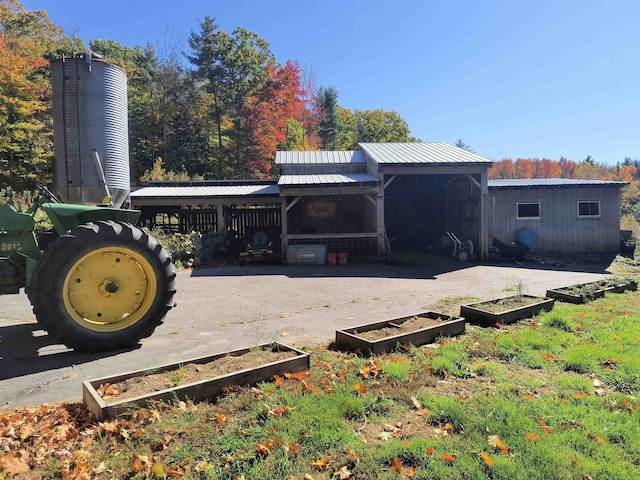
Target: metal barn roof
<point>551,182</point>
<point>421,153</point>
<point>328,179</point>
<point>207,191</point>
<point>318,157</point>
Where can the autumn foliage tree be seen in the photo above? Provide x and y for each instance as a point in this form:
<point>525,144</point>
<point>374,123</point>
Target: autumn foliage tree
<point>26,39</point>
<point>275,117</point>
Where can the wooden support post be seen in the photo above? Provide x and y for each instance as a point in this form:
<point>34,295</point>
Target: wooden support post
<point>220,223</point>
<point>484,230</point>
<point>380,222</point>
<point>284,238</point>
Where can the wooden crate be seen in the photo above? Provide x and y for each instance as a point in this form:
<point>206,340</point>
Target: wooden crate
<point>196,391</point>
<point>449,327</point>
<point>475,313</point>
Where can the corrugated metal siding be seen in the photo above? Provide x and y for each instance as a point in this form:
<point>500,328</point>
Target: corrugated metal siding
<point>420,153</point>
<point>559,230</point>
<point>206,191</point>
<point>323,168</point>
<point>550,182</point>
<point>90,113</point>
<point>318,157</point>
<point>327,179</point>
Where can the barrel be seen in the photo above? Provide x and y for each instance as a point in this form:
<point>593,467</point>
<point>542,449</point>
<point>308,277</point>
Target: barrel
<point>528,237</point>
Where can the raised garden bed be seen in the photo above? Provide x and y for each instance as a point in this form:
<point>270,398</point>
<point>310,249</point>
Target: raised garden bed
<point>582,292</point>
<point>418,329</point>
<point>505,310</point>
<point>623,284</point>
<point>194,379</point>
<point>586,292</point>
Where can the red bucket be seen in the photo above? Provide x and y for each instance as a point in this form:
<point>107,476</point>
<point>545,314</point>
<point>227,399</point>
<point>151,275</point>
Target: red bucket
<point>342,258</point>
<point>331,258</point>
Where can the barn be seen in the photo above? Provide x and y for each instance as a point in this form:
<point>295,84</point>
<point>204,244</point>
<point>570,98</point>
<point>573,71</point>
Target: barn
<point>399,195</point>
<point>358,201</point>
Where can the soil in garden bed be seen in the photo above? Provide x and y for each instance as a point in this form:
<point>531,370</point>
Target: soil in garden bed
<point>189,373</point>
<point>506,304</point>
<point>410,325</point>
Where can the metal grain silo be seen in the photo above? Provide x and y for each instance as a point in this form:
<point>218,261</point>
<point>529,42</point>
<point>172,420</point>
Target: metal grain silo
<point>91,143</point>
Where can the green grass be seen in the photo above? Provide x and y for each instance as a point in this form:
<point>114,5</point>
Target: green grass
<point>178,376</point>
<point>554,397</point>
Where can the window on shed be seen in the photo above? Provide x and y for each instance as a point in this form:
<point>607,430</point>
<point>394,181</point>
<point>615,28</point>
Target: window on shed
<point>589,209</point>
<point>527,210</point>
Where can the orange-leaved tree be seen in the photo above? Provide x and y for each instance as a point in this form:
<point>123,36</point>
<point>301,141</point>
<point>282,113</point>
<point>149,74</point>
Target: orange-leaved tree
<point>275,117</point>
<point>26,38</point>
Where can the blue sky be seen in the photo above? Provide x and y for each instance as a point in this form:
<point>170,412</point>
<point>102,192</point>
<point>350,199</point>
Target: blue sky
<point>527,79</point>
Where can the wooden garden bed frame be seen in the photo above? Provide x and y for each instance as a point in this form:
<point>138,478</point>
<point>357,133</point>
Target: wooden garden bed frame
<point>449,327</point>
<point>475,313</point>
<point>195,391</point>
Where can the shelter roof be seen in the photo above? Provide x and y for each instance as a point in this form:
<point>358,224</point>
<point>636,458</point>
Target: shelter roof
<point>351,179</point>
<point>203,191</point>
<point>551,183</point>
<point>412,153</point>
<point>318,157</point>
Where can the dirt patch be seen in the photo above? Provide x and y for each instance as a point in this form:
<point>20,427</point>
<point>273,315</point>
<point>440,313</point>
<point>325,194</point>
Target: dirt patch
<point>189,373</point>
<point>506,304</point>
<point>410,425</point>
<point>410,325</point>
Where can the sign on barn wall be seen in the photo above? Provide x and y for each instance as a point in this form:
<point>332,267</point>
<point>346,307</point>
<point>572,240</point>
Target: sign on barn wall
<point>321,209</point>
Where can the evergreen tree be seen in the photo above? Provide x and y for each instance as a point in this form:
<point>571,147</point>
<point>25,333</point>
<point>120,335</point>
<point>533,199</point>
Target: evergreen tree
<point>329,121</point>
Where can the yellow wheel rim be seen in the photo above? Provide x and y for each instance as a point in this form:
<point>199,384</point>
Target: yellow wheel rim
<point>109,289</point>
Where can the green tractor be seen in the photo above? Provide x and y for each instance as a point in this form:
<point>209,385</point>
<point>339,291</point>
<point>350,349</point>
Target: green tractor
<point>96,281</point>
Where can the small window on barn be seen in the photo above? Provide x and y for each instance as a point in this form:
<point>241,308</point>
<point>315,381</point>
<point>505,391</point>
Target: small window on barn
<point>528,210</point>
<point>589,209</point>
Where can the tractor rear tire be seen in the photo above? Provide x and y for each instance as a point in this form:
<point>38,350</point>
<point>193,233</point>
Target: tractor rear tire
<point>103,286</point>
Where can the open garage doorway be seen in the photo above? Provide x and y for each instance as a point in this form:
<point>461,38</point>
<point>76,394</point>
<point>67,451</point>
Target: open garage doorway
<point>419,210</point>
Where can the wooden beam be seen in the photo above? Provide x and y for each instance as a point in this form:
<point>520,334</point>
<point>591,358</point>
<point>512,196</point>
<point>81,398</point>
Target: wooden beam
<point>380,225</point>
<point>220,219</point>
<point>371,199</point>
<point>431,170</point>
<point>475,182</point>
<point>389,181</point>
<point>309,236</point>
<point>284,239</point>
<point>307,192</point>
<point>290,206</point>
<point>484,221</point>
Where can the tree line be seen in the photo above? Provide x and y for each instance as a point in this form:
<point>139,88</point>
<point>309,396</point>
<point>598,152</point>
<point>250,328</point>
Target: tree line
<point>220,110</point>
<point>626,171</point>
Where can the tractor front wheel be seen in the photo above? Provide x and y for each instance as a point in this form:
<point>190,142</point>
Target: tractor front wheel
<point>103,286</point>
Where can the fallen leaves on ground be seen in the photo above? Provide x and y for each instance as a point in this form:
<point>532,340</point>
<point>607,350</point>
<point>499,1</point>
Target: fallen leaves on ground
<point>448,458</point>
<point>15,463</point>
<point>494,441</point>
<point>360,388</point>
<point>322,463</point>
<point>108,391</point>
<point>396,465</point>
<point>487,458</point>
<point>342,473</point>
